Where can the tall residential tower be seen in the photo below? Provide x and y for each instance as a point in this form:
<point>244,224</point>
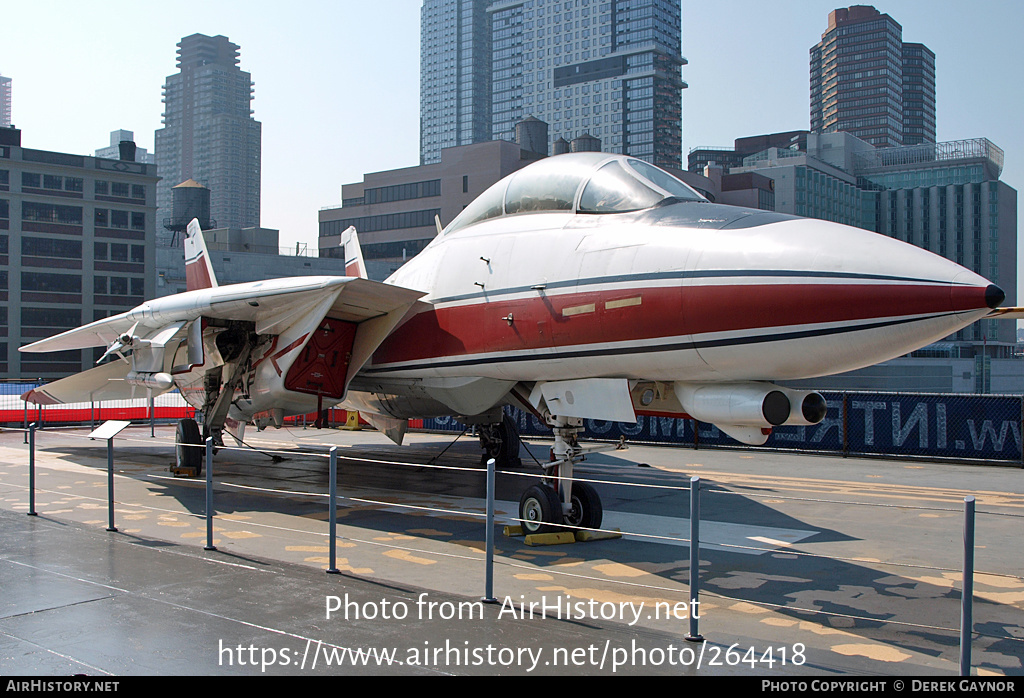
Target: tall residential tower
<point>209,134</point>
<point>455,76</point>
<point>866,81</point>
<point>610,70</point>
<point>5,101</point>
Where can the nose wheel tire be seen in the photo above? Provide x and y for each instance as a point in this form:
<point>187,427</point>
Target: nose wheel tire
<point>586,510</point>
<point>540,510</point>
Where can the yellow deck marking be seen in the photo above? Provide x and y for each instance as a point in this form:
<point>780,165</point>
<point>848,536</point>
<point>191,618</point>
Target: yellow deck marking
<point>406,556</point>
<point>879,653</point>
<point>617,569</point>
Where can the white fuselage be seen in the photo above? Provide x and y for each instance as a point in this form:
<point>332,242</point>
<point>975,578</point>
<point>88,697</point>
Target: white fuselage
<point>555,296</point>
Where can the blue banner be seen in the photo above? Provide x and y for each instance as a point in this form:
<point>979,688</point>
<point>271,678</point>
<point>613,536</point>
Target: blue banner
<point>893,424</point>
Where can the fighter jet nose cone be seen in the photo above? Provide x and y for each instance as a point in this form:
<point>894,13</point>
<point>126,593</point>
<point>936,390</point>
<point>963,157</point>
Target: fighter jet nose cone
<point>994,296</point>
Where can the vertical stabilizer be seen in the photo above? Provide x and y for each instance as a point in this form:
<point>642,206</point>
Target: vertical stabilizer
<point>198,267</point>
<point>354,264</point>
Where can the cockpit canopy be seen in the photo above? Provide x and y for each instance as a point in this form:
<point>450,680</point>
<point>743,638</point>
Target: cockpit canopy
<point>579,182</point>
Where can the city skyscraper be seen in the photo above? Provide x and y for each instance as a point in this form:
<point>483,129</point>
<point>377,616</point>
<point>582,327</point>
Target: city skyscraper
<point>586,67</point>
<point>5,101</point>
<point>209,134</point>
<point>866,81</point>
<point>455,76</point>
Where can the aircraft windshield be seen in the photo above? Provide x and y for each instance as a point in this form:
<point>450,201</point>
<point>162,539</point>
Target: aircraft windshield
<point>631,185</point>
<point>571,183</point>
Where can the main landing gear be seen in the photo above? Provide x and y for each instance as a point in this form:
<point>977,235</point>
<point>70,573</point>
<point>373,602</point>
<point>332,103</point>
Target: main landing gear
<point>188,451</point>
<point>500,441</point>
<point>557,503</point>
<point>235,345</point>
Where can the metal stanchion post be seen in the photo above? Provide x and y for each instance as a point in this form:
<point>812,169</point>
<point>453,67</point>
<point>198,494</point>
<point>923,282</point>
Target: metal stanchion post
<point>110,485</point>
<point>489,537</point>
<point>209,493</point>
<point>152,417</point>
<point>332,515</point>
<point>967,598</point>
<point>31,433</point>
<point>694,635</point>
<point>25,423</point>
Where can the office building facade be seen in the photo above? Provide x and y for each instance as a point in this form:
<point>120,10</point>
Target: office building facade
<point>866,81</point>
<point>585,67</point>
<point>77,240</point>
<point>394,211</point>
<point>209,134</point>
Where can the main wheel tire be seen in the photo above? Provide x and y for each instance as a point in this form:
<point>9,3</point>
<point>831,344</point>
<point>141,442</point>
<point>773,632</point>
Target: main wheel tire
<point>540,508</point>
<point>500,441</point>
<point>509,443</point>
<point>187,440</point>
<point>585,510</point>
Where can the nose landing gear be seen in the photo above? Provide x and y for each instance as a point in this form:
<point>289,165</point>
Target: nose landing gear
<point>557,503</point>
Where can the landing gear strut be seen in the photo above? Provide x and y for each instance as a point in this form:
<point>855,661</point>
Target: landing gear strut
<point>558,503</point>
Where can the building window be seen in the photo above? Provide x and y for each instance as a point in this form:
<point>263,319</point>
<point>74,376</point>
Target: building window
<point>51,213</point>
<point>51,317</point>
<point>51,247</point>
<point>52,283</point>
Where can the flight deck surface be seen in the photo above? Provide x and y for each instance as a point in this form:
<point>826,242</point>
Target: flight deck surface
<point>810,565</point>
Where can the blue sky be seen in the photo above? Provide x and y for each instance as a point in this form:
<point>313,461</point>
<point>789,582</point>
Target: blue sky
<point>337,83</point>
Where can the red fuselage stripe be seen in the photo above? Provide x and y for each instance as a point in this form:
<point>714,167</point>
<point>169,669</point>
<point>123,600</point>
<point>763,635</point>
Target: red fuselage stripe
<point>568,320</point>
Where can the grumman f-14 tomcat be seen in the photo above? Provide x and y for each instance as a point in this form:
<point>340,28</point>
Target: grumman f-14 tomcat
<point>587,285</point>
